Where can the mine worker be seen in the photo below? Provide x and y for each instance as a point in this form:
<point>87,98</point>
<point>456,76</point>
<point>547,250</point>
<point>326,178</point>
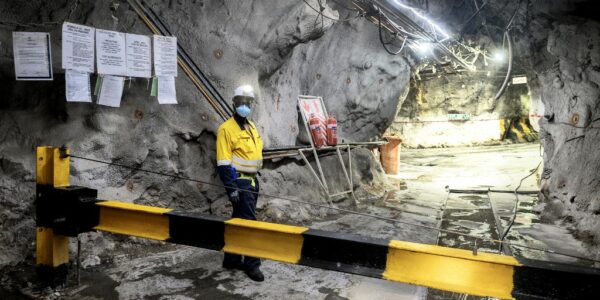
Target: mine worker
<point>239,157</point>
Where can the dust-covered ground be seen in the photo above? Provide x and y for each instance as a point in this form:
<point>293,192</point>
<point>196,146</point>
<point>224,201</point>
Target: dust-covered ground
<point>136,269</point>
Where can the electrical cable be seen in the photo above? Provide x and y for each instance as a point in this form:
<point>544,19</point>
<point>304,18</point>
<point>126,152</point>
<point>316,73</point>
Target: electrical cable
<point>402,17</point>
<point>390,40</point>
<point>508,39</point>
<point>329,207</point>
<point>509,69</point>
<point>512,18</point>
<point>345,7</point>
<point>192,65</point>
<point>464,27</point>
<point>185,62</point>
<point>322,13</point>
<point>514,217</point>
<point>394,29</point>
<point>381,38</point>
<point>484,20</point>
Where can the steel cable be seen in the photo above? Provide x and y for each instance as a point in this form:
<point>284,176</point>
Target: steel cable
<point>329,207</point>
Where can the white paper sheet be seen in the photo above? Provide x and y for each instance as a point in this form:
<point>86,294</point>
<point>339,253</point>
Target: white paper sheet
<point>139,56</point>
<point>78,87</point>
<point>110,49</point>
<point>32,55</point>
<point>166,90</point>
<point>78,47</point>
<point>111,91</point>
<point>165,55</point>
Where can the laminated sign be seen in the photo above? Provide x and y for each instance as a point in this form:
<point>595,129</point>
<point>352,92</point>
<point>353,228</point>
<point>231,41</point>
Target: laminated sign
<point>313,113</point>
<point>77,86</point>
<point>166,90</point>
<point>78,47</point>
<point>110,48</point>
<point>312,105</point>
<point>139,55</point>
<point>32,55</point>
<point>111,90</point>
<point>165,55</point>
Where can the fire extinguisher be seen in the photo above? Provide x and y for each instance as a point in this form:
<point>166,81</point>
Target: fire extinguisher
<point>331,131</point>
<point>317,131</point>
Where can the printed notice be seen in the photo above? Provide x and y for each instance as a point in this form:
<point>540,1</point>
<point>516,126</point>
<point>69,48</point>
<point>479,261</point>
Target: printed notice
<point>139,57</point>
<point>165,55</point>
<point>111,91</point>
<point>110,49</point>
<point>166,90</point>
<point>78,47</point>
<point>78,86</point>
<point>33,56</point>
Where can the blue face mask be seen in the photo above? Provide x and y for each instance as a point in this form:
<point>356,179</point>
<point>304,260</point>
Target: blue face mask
<point>243,110</point>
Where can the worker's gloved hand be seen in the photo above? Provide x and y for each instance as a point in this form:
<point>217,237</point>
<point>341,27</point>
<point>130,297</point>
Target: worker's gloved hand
<point>234,197</point>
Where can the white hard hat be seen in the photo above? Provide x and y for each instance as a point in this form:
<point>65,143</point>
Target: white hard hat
<point>244,90</point>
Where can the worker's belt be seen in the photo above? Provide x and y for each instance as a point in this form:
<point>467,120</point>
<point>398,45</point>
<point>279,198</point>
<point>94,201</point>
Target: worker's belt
<point>247,176</point>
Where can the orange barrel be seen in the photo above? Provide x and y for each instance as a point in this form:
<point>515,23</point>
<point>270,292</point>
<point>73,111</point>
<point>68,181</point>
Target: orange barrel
<point>390,154</point>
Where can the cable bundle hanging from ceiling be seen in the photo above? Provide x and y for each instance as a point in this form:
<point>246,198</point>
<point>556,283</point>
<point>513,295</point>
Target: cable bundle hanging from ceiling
<point>383,43</point>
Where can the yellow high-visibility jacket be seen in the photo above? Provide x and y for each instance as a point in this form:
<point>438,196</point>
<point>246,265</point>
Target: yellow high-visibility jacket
<point>239,148</point>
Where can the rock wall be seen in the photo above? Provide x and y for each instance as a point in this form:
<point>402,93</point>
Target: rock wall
<point>282,48</point>
<point>571,95</point>
<point>425,119</point>
<point>556,45</point>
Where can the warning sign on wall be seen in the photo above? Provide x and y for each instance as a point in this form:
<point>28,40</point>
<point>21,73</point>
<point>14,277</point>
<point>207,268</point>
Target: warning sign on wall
<point>312,105</point>
<point>78,47</point>
<point>33,57</point>
<point>519,80</point>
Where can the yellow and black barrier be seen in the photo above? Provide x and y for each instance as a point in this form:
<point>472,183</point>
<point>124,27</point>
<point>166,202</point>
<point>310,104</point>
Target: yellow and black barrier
<point>449,269</point>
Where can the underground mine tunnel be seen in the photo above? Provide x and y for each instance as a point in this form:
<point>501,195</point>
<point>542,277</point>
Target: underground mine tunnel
<point>314,149</point>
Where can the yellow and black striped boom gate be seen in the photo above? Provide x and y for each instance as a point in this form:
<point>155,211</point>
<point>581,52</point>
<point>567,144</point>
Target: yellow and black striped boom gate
<point>65,211</point>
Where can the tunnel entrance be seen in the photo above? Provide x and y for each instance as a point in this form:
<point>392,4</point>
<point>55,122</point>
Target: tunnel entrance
<point>460,110</point>
<point>462,84</point>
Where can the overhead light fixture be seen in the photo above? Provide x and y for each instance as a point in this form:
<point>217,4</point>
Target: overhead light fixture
<point>422,48</point>
<point>424,18</point>
<point>499,56</point>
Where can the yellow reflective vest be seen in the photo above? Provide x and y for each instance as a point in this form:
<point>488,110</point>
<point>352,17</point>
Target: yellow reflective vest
<point>239,148</point>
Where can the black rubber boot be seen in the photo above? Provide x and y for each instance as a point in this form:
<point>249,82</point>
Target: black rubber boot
<point>255,274</point>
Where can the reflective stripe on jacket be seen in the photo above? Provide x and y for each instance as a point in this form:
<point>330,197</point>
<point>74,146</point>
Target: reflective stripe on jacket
<point>239,148</point>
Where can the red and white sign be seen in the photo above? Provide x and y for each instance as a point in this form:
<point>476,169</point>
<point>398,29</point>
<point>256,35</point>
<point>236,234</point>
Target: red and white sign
<point>309,106</point>
<point>312,105</point>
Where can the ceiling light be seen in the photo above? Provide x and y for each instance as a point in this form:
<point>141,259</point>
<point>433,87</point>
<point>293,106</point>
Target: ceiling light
<point>498,56</point>
<point>422,48</point>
